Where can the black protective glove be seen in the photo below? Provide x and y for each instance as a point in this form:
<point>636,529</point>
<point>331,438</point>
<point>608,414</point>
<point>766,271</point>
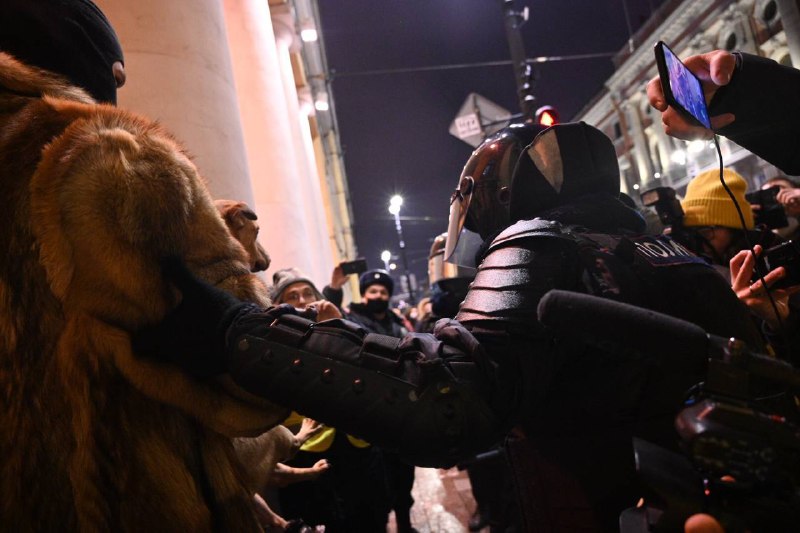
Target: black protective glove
<point>192,336</point>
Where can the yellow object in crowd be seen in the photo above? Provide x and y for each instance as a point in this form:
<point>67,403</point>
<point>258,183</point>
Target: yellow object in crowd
<point>706,202</point>
<point>322,440</point>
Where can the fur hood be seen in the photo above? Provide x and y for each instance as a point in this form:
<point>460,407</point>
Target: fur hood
<point>93,436</point>
<point>18,79</point>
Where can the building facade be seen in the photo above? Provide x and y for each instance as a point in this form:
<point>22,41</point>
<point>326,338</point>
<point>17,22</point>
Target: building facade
<point>230,78</point>
<point>647,156</point>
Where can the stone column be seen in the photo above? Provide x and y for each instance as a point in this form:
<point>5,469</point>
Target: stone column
<point>664,146</point>
<point>179,73</point>
<point>272,135</point>
<point>316,236</point>
<point>640,147</point>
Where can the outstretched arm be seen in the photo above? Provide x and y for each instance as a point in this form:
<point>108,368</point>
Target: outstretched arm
<point>426,396</point>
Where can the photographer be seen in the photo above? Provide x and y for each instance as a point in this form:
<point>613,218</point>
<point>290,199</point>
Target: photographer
<point>712,225</point>
<point>707,223</point>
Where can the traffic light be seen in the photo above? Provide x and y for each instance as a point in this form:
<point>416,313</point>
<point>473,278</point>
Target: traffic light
<point>547,116</point>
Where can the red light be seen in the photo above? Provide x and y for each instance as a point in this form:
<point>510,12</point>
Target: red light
<point>547,119</point>
<point>547,116</point>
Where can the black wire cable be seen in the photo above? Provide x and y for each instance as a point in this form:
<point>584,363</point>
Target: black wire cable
<point>757,267</point>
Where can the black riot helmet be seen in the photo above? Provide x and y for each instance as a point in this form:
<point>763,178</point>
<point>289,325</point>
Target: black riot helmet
<point>480,204</point>
<point>562,163</point>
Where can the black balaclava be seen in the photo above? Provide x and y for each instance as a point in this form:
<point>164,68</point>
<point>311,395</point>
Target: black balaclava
<point>68,37</point>
<point>563,163</point>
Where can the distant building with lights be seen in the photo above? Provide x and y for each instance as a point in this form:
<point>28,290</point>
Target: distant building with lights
<point>647,156</point>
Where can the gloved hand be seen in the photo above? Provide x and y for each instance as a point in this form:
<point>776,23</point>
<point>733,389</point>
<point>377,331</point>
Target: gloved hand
<point>193,334</point>
<point>454,334</point>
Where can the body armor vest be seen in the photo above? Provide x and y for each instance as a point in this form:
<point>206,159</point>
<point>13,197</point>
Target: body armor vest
<point>532,257</point>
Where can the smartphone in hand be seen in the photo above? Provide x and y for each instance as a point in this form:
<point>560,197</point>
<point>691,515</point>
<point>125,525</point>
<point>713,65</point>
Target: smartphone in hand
<point>786,255</point>
<point>682,88</point>
<point>354,267</point>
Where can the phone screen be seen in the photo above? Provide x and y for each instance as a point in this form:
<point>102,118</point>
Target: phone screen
<point>682,86</point>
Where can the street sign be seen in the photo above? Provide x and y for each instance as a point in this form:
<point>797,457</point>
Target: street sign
<point>468,125</point>
<point>478,118</point>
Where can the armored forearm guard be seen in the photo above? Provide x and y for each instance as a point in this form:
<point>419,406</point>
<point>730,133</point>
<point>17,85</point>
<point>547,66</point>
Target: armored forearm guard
<point>425,398</point>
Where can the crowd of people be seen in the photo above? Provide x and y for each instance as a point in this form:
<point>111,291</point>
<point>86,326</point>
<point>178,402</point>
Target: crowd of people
<point>541,419</point>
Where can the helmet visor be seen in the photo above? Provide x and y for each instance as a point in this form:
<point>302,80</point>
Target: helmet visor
<point>459,207</point>
<point>439,269</point>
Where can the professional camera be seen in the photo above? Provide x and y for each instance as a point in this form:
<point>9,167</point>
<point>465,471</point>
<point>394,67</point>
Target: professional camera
<point>739,432</point>
<point>670,212</point>
<point>666,204</point>
<point>741,459</point>
<point>770,212</point>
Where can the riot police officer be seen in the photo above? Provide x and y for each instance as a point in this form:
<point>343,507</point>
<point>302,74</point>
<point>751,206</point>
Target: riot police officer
<point>536,209</point>
<point>449,284</point>
<point>556,221</point>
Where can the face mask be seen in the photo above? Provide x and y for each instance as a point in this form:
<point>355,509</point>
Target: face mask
<point>377,305</point>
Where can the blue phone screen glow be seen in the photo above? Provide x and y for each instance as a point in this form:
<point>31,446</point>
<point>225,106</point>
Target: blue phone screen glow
<point>686,88</point>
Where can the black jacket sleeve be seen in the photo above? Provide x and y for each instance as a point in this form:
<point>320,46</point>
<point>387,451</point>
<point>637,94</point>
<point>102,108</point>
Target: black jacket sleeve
<point>765,97</point>
<point>424,396</point>
<point>335,296</point>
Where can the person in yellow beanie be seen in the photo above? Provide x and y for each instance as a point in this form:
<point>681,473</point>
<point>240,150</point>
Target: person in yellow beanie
<point>711,214</point>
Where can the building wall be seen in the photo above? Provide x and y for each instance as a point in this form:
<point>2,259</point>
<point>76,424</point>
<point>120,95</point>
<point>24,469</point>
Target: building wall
<point>647,156</point>
<point>227,78</point>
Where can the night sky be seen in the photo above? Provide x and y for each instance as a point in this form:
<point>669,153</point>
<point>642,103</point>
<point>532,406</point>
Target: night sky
<point>394,127</point>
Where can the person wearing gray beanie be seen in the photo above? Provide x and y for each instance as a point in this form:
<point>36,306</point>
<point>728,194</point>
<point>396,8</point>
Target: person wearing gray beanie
<point>290,286</point>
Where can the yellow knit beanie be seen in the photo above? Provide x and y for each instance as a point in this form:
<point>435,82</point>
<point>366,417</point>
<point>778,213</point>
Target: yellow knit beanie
<point>707,204</point>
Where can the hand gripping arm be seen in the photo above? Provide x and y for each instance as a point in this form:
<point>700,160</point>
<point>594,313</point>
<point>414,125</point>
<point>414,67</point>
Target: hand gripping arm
<point>426,396</point>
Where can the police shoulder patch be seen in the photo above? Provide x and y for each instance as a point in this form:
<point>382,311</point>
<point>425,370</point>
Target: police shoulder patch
<point>660,250</point>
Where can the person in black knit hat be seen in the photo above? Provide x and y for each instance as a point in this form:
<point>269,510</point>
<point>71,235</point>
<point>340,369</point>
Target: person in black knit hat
<point>373,313</point>
<point>69,37</point>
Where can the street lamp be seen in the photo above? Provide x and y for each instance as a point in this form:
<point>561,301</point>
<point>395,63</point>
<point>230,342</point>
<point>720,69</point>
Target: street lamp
<point>395,203</point>
<point>386,257</point>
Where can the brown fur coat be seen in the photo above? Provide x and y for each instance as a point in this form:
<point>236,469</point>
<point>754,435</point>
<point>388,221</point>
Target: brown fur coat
<point>93,437</point>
